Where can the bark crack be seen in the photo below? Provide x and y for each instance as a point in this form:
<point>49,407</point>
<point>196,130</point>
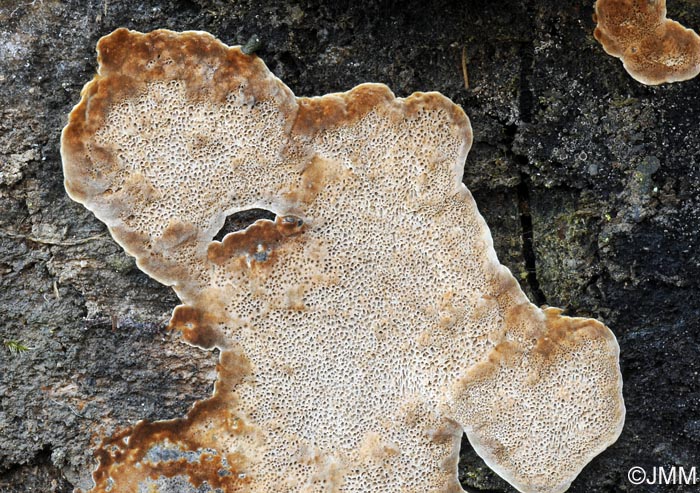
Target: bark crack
<point>528,242</point>
<point>525,109</point>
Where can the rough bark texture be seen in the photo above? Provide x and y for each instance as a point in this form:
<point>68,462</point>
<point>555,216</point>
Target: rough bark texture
<point>589,181</point>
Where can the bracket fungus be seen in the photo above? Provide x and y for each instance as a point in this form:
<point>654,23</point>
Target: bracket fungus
<point>653,48</point>
<point>363,329</point>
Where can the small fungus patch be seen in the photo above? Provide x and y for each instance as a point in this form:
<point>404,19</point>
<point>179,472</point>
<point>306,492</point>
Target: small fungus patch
<point>653,49</point>
<point>361,329</point>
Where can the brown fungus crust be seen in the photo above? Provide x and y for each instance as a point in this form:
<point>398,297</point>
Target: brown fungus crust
<point>364,328</point>
<point>131,454</point>
<point>198,327</point>
<point>653,49</point>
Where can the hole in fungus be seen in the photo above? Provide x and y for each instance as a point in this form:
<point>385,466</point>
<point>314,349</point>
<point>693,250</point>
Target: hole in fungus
<point>474,475</point>
<point>240,220</point>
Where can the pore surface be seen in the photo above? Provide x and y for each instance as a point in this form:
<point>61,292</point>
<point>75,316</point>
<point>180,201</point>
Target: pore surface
<point>360,331</point>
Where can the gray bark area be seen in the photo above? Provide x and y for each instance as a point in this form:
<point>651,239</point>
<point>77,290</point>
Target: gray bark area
<point>589,181</point>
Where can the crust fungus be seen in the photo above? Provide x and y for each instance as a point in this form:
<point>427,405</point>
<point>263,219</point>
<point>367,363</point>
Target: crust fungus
<point>653,49</point>
<point>364,328</point>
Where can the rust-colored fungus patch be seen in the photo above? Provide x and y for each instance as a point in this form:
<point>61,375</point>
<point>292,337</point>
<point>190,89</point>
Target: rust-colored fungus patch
<point>363,329</point>
<point>653,49</point>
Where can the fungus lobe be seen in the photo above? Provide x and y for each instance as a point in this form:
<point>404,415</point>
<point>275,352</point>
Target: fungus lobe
<point>653,48</point>
<point>363,329</point>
